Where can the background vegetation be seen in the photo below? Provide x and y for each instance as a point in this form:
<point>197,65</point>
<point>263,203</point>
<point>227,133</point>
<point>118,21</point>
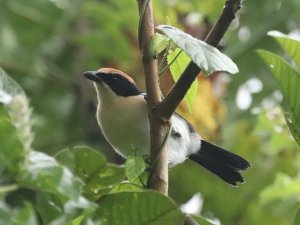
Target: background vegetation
<point>46,45</point>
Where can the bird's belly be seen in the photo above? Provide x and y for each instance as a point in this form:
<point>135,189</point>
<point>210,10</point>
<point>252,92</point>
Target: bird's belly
<point>128,133</point>
<point>129,140</point>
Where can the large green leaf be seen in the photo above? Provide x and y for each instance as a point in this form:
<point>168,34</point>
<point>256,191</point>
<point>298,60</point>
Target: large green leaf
<point>178,61</point>
<point>92,167</point>
<point>290,45</point>
<point>138,208</point>
<point>43,172</point>
<point>58,190</point>
<point>207,57</point>
<point>289,80</point>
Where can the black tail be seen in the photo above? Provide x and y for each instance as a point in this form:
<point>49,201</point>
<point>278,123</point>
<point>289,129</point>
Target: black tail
<point>224,164</point>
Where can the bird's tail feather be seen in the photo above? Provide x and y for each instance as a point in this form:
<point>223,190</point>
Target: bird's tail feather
<point>221,162</point>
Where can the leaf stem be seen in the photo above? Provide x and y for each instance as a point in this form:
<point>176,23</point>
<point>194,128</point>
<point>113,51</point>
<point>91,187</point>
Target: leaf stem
<point>167,66</point>
<point>164,58</point>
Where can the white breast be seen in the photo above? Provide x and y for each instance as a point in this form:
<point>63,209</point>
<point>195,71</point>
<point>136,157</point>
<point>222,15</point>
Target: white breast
<point>125,125</point>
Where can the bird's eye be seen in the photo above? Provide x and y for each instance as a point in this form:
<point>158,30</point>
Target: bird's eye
<point>175,134</point>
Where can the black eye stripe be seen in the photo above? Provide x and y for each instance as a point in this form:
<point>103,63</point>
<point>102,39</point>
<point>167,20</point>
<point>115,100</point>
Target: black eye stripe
<point>120,85</point>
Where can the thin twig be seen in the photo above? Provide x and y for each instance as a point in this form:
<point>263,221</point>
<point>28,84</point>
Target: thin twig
<point>169,64</point>
<point>164,57</point>
<point>142,13</point>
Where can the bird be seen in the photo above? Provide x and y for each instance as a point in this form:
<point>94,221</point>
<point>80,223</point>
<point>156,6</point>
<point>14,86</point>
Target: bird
<point>123,119</point>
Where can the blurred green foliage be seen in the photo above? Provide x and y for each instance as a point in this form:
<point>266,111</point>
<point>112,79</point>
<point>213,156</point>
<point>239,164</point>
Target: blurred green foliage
<point>69,189</point>
<point>46,45</point>
<point>288,77</point>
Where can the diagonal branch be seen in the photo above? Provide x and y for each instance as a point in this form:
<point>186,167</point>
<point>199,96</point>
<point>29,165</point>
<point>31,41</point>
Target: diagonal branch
<point>167,107</point>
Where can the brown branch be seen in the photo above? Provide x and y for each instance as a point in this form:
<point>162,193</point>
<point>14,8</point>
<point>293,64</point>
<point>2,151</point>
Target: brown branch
<point>167,107</point>
<point>160,112</point>
<point>158,177</point>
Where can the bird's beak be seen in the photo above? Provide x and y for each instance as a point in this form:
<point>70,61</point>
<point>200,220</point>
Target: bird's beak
<point>93,76</point>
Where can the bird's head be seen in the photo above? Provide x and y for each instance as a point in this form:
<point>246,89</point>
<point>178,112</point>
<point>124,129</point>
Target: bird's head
<point>110,81</point>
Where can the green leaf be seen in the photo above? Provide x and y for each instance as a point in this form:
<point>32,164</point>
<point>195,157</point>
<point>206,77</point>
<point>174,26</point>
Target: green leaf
<point>201,220</point>
<point>12,154</point>
<point>207,57</point>
<point>15,125</point>
<point>17,105</point>
<point>43,173</point>
<point>126,186</point>
<point>78,220</point>
<point>50,208</point>
<point>297,217</point>
<point>93,169</point>
<point>134,167</point>
<point>289,80</point>
<point>136,208</point>
<point>177,66</point>
<point>8,88</point>
<point>158,43</point>
<point>82,160</point>
<point>20,216</point>
<point>290,45</point>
